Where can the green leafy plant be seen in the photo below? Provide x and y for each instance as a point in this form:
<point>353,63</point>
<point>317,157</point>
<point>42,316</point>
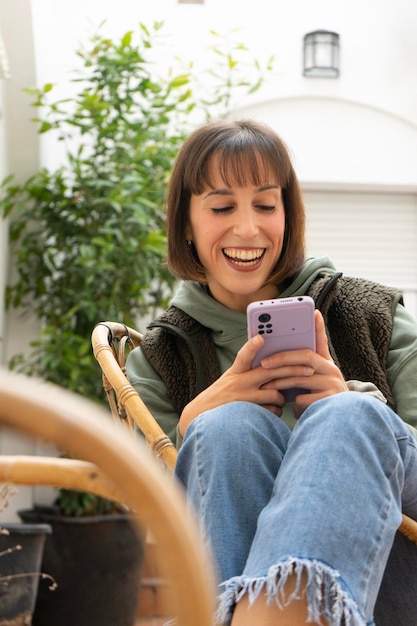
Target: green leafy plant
<point>71,503</point>
<point>88,239</point>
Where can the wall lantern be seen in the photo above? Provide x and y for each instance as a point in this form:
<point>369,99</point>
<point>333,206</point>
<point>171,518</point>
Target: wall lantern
<point>321,54</point>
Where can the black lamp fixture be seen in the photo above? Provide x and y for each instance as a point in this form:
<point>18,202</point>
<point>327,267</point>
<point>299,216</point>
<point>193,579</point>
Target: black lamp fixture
<point>321,54</point>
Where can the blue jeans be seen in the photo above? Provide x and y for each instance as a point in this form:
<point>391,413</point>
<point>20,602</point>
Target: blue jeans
<point>323,500</point>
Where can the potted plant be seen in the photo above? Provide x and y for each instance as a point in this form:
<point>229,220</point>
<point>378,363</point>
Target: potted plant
<point>95,555</point>
<point>88,239</point>
<point>21,549</point>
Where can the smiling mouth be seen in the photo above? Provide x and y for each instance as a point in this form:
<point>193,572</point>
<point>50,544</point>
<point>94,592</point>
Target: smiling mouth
<point>244,258</point>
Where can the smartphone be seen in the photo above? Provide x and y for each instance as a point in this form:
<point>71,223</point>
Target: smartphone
<point>285,324</point>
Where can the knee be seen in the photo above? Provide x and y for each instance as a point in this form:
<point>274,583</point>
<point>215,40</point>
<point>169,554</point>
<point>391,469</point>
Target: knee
<point>231,420</point>
<point>352,403</point>
<point>346,412</point>
<point>236,423</point>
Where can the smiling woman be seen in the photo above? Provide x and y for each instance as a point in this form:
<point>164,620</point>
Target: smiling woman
<point>211,175</point>
<point>237,229</point>
<point>273,477</point>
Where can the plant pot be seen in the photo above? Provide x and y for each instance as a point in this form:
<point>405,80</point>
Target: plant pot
<point>18,594</point>
<point>96,562</point>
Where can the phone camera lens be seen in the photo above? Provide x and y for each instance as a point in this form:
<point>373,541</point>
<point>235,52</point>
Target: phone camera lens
<point>264,317</point>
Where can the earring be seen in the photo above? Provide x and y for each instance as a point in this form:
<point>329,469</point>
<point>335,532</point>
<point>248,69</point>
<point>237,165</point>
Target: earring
<point>189,243</point>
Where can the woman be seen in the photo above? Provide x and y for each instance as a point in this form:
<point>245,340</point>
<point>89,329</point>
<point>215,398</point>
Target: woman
<point>299,501</point>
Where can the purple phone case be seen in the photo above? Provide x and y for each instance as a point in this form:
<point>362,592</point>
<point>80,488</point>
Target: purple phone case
<point>286,324</point>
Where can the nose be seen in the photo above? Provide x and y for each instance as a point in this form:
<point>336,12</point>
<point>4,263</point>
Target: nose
<point>246,225</point>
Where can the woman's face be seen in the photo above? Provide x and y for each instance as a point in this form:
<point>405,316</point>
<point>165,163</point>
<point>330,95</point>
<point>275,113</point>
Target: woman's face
<point>238,233</point>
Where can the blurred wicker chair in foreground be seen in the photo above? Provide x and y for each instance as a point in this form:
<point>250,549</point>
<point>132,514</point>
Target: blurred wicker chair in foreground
<point>114,465</point>
<point>110,341</point>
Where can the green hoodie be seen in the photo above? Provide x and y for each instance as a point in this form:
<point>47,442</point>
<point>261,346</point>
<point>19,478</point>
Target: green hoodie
<point>229,333</point>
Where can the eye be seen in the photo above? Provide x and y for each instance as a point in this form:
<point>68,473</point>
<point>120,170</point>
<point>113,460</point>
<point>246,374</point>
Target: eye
<point>223,209</point>
<point>267,207</point>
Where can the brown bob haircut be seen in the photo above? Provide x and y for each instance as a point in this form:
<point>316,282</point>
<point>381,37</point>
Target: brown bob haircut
<point>246,152</point>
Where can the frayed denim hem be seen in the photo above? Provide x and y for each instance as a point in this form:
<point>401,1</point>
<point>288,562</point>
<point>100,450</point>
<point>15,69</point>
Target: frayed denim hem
<point>325,596</point>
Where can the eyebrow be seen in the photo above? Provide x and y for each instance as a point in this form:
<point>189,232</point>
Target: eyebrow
<point>227,192</point>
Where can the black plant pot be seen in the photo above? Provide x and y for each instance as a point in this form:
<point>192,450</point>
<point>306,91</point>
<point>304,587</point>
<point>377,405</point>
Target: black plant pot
<point>18,593</point>
<point>96,562</point>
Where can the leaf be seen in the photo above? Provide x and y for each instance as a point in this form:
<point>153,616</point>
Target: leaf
<point>180,81</point>
<point>126,39</point>
<point>45,126</point>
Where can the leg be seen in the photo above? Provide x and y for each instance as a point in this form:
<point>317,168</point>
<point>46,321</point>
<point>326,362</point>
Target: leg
<point>270,614</point>
<point>333,514</point>
<point>228,463</point>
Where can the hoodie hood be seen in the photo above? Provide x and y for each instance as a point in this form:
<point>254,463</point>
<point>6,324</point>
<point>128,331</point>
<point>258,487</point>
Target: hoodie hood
<point>313,268</point>
<point>228,325</point>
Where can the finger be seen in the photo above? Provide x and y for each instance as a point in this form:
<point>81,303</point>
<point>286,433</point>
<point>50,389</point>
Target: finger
<point>293,375</point>
<point>322,345</point>
<point>303,401</point>
<point>289,359</point>
<point>277,410</point>
<point>245,356</point>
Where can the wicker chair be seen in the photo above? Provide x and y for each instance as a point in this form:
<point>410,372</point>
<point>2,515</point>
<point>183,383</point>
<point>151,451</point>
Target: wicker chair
<point>111,341</point>
<point>115,465</point>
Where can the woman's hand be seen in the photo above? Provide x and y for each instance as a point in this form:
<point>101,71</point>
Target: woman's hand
<point>325,378</point>
<point>241,382</point>
<point>315,372</point>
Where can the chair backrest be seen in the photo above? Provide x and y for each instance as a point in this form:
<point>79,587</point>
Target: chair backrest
<point>110,342</point>
<point>51,413</point>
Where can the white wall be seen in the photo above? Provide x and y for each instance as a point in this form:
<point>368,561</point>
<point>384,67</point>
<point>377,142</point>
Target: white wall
<point>378,65</point>
<point>19,151</point>
<point>336,141</point>
<point>378,47</point>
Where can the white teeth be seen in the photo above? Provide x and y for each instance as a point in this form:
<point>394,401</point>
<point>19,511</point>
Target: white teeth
<point>243,255</point>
